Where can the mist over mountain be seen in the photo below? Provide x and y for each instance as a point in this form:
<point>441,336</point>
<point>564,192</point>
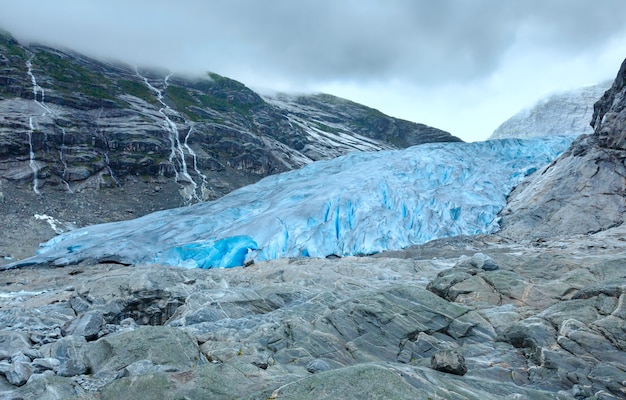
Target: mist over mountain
<point>564,113</point>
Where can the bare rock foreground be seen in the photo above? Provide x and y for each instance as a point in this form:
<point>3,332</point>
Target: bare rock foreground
<point>543,321</point>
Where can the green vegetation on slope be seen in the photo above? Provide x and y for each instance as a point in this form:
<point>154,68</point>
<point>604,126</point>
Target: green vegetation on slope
<point>73,78</point>
<point>138,89</point>
<point>216,93</point>
<point>13,63</point>
<point>182,100</point>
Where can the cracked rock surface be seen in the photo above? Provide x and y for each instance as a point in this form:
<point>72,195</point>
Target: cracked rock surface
<point>547,323</point>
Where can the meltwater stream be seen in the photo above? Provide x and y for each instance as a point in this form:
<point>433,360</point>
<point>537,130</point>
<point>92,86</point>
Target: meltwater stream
<point>31,123</point>
<point>361,203</point>
<point>177,152</point>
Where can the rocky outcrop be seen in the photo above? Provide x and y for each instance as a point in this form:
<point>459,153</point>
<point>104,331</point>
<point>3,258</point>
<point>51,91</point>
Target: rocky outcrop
<point>609,116</point>
<point>584,190</point>
<point>566,113</point>
<point>69,123</point>
<point>475,318</point>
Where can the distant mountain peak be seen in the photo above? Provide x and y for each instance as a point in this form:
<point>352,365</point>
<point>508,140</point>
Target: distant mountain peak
<point>563,113</point>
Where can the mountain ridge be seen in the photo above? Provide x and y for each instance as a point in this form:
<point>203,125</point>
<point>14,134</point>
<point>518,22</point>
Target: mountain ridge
<point>93,124</point>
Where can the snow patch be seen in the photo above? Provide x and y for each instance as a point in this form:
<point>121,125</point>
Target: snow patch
<point>55,224</point>
<point>21,293</point>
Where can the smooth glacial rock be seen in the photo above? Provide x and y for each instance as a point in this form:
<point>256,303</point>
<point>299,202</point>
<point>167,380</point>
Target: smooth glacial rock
<point>144,387</point>
<point>545,324</point>
<point>355,382</point>
<point>170,348</point>
<point>578,194</point>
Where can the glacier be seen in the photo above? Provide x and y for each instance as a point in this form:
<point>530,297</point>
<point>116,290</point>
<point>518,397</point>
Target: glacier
<point>357,204</point>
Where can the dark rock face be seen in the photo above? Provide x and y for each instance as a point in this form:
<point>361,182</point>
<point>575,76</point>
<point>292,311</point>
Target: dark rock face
<point>584,190</point>
<point>87,325</point>
<point>609,114</point>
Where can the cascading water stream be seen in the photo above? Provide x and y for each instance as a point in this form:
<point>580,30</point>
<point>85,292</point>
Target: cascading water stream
<point>177,153</point>
<point>105,151</point>
<point>204,186</point>
<point>31,151</point>
<point>37,88</point>
<point>62,158</point>
<point>32,163</point>
<point>47,111</point>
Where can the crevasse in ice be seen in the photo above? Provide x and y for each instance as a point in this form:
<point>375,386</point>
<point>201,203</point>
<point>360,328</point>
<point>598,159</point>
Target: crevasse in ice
<point>361,203</point>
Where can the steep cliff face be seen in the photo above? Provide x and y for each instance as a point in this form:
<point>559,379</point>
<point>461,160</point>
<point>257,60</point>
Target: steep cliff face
<point>609,116</point>
<point>566,113</point>
<point>584,190</point>
<point>68,123</point>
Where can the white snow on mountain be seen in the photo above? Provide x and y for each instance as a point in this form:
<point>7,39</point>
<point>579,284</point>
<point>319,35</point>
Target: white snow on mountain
<point>361,203</point>
<point>565,113</point>
<point>334,139</point>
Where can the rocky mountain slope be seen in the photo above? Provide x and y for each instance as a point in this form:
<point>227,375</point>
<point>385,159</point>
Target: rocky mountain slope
<point>71,125</point>
<point>68,123</point>
<point>566,113</point>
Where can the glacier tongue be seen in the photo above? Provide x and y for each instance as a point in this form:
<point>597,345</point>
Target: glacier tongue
<point>361,203</point>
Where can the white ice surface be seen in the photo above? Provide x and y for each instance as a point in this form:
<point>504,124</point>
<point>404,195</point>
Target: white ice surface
<point>361,203</point>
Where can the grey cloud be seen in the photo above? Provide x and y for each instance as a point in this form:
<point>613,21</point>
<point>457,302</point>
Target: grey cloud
<point>423,41</point>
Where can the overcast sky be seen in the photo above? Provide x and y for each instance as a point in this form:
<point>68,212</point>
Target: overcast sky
<point>460,65</point>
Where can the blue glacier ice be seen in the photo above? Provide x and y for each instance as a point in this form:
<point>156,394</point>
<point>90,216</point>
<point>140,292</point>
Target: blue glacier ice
<point>361,203</point>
